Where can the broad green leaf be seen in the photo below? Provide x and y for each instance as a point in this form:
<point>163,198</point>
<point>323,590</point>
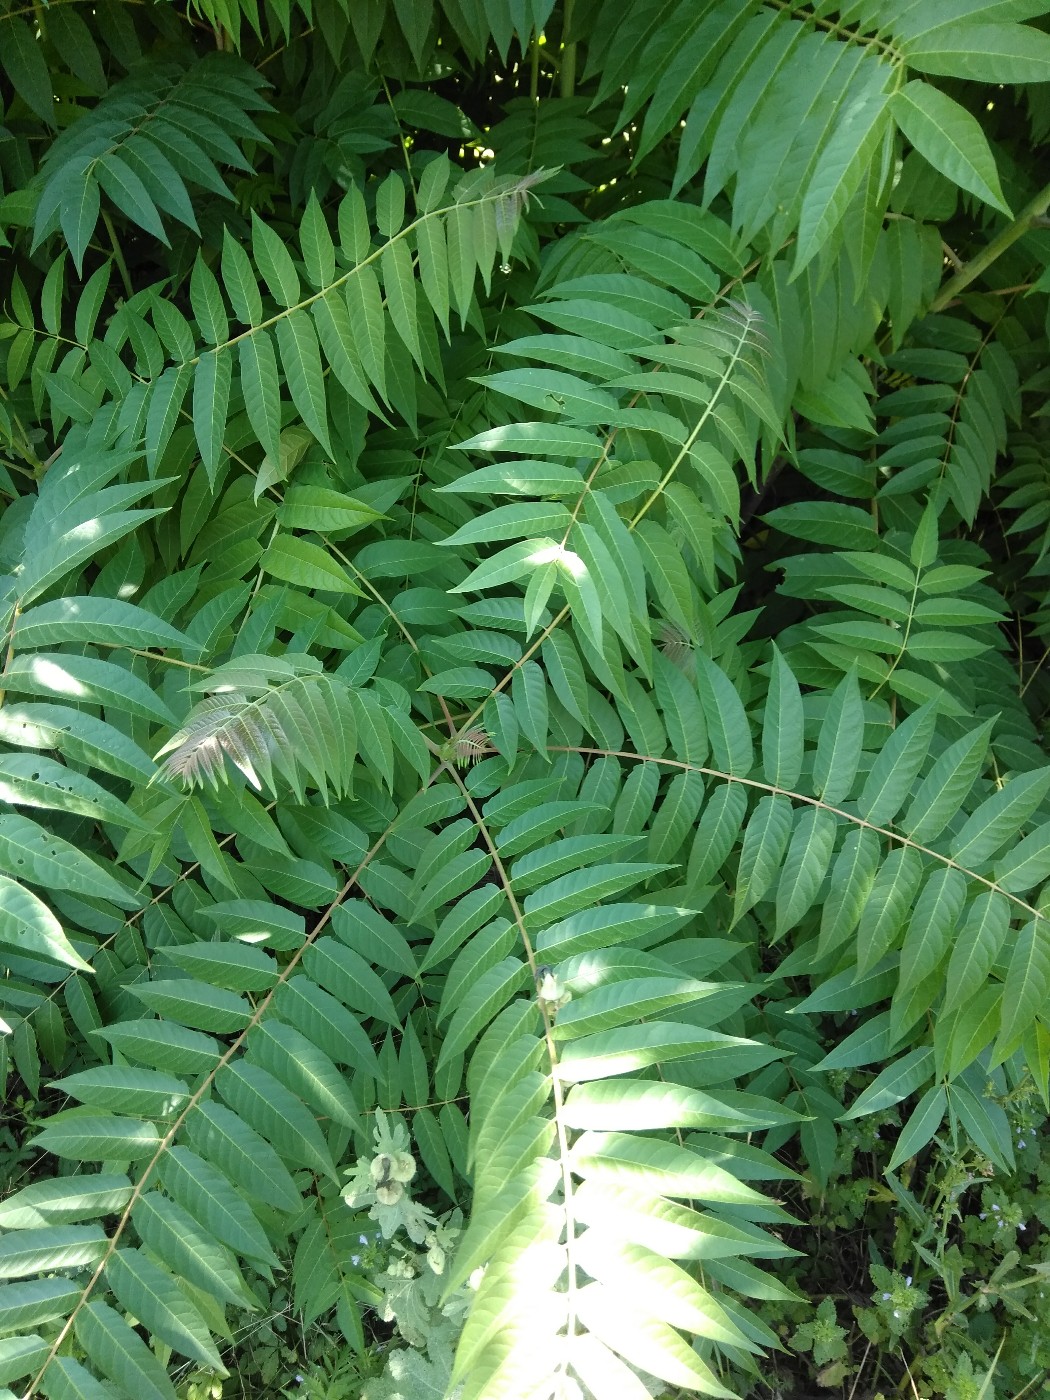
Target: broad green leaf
<point>660,1167</point>
<point>120,1353</point>
<point>639,1104</point>
<point>489,994</point>
<point>303,372</point>
<point>207,303</point>
<point>307,565</point>
<point>174,1236</point>
<point>163,1045</point>
<point>25,65</point>
<point>67,676</point>
<point>570,893</point>
<point>541,439</point>
<point>261,388</point>
<point>364,302</point>
<point>999,818</point>
<point>765,841</point>
<point>524,477</point>
<point>948,783</point>
<point>930,930</point>
<point>727,724</point>
<point>978,1119</point>
<point>44,859</point>
<point>895,1082</point>
<point>1027,984</point>
<point>625,1051</point>
<point>400,285</point>
<point>129,194</point>
<point>273,1111</point>
<point>1027,864</point>
<point>239,967</point>
<point>848,992</point>
<point>67,1379</point>
<point>968,1031</point>
<point>842,165</point>
<point>275,263</point>
<point>225,1140</point>
<point>316,243</point>
<point>28,925</point>
<point>336,334</point>
<point>782,726</point>
<point>305,1069</point>
<point>716,833</point>
<point>887,905</point>
<point>120,1089</point>
<point>896,766</point>
<point>153,1296</point>
<point>86,1136</point>
<point>206,1194</point>
<point>50,1202</point>
<point>949,138</point>
<point>529,697</point>
<point>195,1004</point>
<point>104,621</point>
<point>924,1121</point>
<point>805,866</point>
<point>841,740</point>
<point>669,1292</point>
<point>619,1003</point>
<point>327,1024</point>
<point>868,1044</point>
<point>24,1253</point>
<point>390,205</point>
<point>79,213</point>
<point>985,53</point>
<point>326,511</point>
<point>346,973</point>
<point>25,1305</point>
<point>607,925</point>
<point>513,522</point>
<point>513,562</point>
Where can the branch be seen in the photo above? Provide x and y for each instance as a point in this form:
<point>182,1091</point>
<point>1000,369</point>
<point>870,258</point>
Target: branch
<point>1030,217</point>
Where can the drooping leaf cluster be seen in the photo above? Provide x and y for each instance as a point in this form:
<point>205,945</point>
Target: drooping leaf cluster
<point>522,551</point>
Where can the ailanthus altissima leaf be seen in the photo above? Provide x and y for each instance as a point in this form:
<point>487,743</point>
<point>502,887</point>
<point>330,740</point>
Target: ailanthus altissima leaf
<point>585,591</point>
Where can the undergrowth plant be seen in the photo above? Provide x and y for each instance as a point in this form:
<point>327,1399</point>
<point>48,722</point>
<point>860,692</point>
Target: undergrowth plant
<point>525,818</point>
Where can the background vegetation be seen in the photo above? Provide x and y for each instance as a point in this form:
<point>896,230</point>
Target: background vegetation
<point>525,820</point>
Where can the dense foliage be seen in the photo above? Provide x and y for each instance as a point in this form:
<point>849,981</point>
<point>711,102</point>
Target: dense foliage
<point>525,826</point>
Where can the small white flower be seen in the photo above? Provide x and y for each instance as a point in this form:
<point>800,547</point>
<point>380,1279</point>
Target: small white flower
<point>907,1281</point>
<point>886,1297</point>
<point>983,1215</point>
<point>896,1312</point>
<point>995,1208</point>
<point>1020,1142</point>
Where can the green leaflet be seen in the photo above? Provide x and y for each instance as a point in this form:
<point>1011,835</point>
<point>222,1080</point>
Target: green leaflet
<point>782,728</point>
<point>841,739</point>
<point>896,1082</point>
<point>153,1295</point>
<point>950,139</point>
<point>120,1353</point>
<point>26,923</point>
